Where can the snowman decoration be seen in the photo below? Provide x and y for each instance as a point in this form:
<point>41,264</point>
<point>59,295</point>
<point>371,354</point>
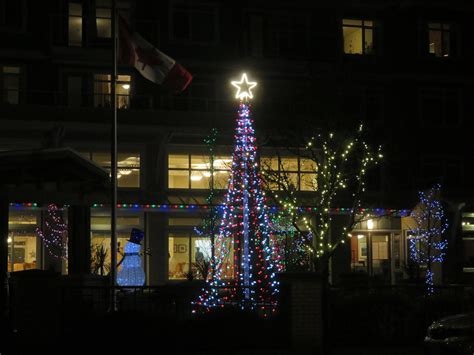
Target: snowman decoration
<point>132,273</point>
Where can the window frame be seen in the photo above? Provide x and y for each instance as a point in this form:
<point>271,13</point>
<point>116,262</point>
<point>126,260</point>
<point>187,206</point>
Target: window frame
<point>22,27</point>
<point>102,97</point>
<point>189,236</point>
<point>443,95</point>
<point>363,28</point>
<point>40,248</point>
<point>97,8</point>
<point>180,5</point>
<point>281,171</point>
<point>3,89</point>
<point>442,31</point>
<point>105,213</point>
<point>69,16</point>
<point>190,170</point>
<point>288,31</point>
<point>265,154</point>
<point>90,155</point>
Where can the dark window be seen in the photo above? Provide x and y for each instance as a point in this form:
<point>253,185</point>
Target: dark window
<point>432,171</point>
<point>194,23</point>
<point>11,13</point>
<point>352,105</point>
<point>74,91</point>
<point>289,36</point>
<point>360,103</point>
<point>374,108</point>
<point>448,171</point>
<point>373,179</point>
<point>255,35</point>
<point>10,84</point>
<point>454,173</point>
<point>432,110</point>
<point>440,107</point>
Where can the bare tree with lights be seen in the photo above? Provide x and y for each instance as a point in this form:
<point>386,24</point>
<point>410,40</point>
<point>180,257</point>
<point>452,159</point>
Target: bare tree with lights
<point>340,167</point>
<point>427,244</point>
<point>209,227</point>
<point>54,234</point>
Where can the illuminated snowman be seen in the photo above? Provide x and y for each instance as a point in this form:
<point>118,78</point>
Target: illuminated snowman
<point>132,273</point>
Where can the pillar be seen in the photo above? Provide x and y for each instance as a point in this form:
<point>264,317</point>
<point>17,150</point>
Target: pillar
<point>340,262</point>
<point>3,254</point>
<point>302,306</point>
<point>156,234</point>
<point>79,239</point>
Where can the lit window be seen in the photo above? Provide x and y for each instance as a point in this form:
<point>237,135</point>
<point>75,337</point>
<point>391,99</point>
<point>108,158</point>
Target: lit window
<point>128,167</point>
<point>23,243</point>
<point>102,91</point>
<point>189,256</point>
<point>359,252</point>
<point>75,24</point>
<point>103,13</point>
<point>358,36</point>
<point>10,84</point>
<point>194,171</point>
<point>439,39</point>
<point>467,228</point>
<point>298,173</point>
<point>100,238</point>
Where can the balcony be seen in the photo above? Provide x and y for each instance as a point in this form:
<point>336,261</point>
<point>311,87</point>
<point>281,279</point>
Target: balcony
<point>98,103</point>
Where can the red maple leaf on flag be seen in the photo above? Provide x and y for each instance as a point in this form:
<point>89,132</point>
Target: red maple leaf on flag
<point>148,56</point>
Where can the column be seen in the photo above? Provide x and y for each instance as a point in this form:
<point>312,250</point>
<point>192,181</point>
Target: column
<point>157,242</point>
<point>302,305</point>
<point>3,253</point>
<point>79,239</point>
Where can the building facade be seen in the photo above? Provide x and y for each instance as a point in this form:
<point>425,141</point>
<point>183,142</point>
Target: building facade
<point>403,68</point>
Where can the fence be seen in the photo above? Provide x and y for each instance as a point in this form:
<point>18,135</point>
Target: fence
<point>391,314</point>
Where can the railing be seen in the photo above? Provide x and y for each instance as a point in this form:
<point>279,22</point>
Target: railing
<point>85,31</point>
<point>50,310</point>
<point>124,102</point>
<point>59,99</point>
<point>392,314</point>
<point>83,304</point>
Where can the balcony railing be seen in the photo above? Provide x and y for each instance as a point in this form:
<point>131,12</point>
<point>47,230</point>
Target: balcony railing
<point>147,102</point>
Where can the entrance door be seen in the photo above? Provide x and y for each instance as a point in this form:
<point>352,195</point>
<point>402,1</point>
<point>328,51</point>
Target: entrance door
<point>359,245</point>
<point>380,255</point>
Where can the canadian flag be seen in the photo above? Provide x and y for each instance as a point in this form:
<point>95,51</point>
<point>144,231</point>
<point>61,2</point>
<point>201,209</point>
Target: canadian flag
<point>149,61</point>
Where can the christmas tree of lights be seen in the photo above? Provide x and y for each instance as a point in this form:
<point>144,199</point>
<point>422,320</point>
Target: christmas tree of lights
<point>249,282</point>
<point>55,234</point>
<point>427,246</point>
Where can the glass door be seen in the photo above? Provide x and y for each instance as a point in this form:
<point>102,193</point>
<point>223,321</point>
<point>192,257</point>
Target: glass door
<point>359,251</point>
<point>380,255</point>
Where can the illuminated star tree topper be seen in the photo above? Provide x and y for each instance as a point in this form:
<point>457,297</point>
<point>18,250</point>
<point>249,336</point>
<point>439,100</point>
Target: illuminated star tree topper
<point>244,88</point>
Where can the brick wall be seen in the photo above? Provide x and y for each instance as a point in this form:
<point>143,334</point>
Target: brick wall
<point>302,300</point>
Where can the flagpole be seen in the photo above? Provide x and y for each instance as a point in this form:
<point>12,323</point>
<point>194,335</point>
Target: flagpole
<point>113,153</point>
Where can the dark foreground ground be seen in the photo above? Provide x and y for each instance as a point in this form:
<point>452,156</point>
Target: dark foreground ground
<point>127,334</point>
